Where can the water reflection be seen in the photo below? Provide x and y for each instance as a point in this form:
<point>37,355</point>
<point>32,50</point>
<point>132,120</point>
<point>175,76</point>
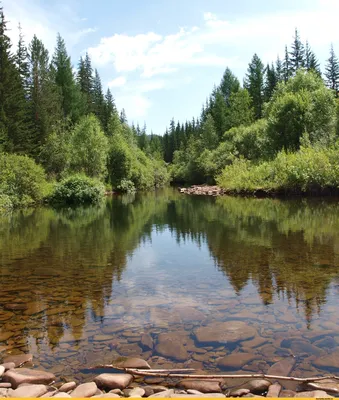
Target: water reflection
<point>80,286</point>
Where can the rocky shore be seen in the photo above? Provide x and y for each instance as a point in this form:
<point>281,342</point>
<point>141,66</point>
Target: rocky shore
<point>203,190</point>
<point>17,381</point>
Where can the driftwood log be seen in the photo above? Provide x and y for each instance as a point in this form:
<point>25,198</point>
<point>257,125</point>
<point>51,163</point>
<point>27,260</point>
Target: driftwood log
<point>185,373</point>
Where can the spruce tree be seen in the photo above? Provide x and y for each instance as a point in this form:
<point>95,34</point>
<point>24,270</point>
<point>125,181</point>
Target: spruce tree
<point>254,83</point>
<point>219,110</point>
<point>271,81</point>
<point>297,53</point>
<point>98,98</point>
<point>13,117</point>
<point>109,109</point>
<point>71,98</point>
<point>279,69</point>
<point>22,61</point>
<point>44,94</point>
<point>311,62</point>
<point>85,81</point>
<point>123,117</point>
<point>332,72</point>
<point>287,70</point>
<point>229,84</point>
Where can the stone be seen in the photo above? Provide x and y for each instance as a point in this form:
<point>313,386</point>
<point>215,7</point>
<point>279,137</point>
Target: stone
<point>66,387</point>
<point>85,390</point>
<point>327,343</point>
<point>328,361</point>
<point>148,391</point>
<point>5,385</point>
<point>257,386</point>
<point>158,388</point>
<point>62,395</point>
<point>282,367</point>
<point>235,360</point>
<point>203,386</point>
<point>274,390</point>
<point>165,394</point>
<point>299,346</point>
<point>224,332</point>
<point>6,335</point>
<point>19,359</point>
<point>50,393</point>
<point>35,308</point>
<point>102,338</point>
<point>8,365</point>
<point>116,391</point>
<point>287,393</point>
<point>24,375</point>
<point>5,315</point>
<point>171,346</point>
<point>107,395</point>
<point>213,395</point>
<point>133,362</point>
<point>29,391</point>
<point>113,381</point>
<point>328,385</point>
<point>192,391</point>
<point>15,306</point>
<point>2,370</point>
<point>314,393</point>
<point>147,341</point>
<point>237,392</point>
<point>4,392</point>
<point>256,342</point>
<point>137,391</point>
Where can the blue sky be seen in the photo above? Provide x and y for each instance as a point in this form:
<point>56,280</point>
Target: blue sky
<point>161,58</point>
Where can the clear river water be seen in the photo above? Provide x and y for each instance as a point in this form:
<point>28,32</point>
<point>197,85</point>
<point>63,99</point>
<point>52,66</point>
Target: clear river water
<point>215,284</point>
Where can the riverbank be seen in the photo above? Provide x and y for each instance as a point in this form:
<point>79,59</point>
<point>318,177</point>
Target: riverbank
<point>16,380</point>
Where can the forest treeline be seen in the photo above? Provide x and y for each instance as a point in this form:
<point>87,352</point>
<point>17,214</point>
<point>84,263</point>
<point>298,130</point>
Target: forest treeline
<point>61,137</point>
<point>277,131</point>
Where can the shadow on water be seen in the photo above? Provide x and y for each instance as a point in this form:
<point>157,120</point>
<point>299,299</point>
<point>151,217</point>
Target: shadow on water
<point>83,286</point>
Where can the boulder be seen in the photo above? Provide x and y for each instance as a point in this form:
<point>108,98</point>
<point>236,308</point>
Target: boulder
<point>133,362</point>
<point>85,390</point>
<point>29,391</point>
<point>257,386</point>
<point>203,386</point>
<point>236,360</point>
<point>274,390</point>
<point>113,381</point>
<point>137,391</point>
<point>314,393</point>
<point>224,333</point>
<point>172,346</point>
<point>24,375</point>
<point>19,359</point>
<point>66,387</point>
<point>237,392</point>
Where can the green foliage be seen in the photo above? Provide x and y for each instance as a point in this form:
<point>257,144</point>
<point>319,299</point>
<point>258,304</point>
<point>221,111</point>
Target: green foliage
<point>302,105</point>
<point>309,169</point>
<point>126,186</point>
<point>88,148</point>
<point>22,180</point>
<point>5,203</point>
<point>77,189</point>
<point>254,83</point>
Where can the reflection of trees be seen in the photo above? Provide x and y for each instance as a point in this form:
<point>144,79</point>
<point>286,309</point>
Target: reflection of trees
<point>70,258</point>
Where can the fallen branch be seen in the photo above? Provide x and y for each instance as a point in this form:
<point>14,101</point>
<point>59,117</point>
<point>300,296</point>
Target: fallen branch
<point>155,371</point>
<point>168,373</point>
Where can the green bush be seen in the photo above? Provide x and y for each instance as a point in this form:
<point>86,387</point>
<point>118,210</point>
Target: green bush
<point>310,169</point>
<point>22,180</point>
<point>76,190</point>
<point>126,186</point>
<point>5,203</point>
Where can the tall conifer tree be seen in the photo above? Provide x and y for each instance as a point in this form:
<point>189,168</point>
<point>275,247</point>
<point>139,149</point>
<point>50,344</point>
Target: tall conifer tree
<point>332,72</point>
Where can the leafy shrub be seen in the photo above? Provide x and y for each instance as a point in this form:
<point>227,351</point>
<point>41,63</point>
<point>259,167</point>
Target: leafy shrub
<point>22,180</point>
<point>76,190</point>
<point>5,203</point>
<point>126,186</point>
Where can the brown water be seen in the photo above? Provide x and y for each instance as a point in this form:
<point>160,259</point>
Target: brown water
<point>148,275</point>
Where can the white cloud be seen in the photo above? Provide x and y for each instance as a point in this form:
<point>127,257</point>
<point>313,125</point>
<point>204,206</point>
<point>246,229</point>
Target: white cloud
<point>117,82</point>
<point>136,104</point>
<point>152,54</point>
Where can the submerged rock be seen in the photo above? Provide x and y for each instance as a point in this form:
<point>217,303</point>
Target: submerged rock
<point>282,367</point>
<point>224,332</point>
<point>172,346</point>
<point>236,360</point>
<point>328,361</point>
<point>147,341</point>
<point>132,362</point>
<point>19,359</point>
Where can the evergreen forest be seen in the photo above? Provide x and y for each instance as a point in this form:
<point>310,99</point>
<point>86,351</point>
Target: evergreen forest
<point>63,140</point>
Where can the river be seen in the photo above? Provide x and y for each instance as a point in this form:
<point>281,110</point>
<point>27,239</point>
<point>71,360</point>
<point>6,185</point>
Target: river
<point>168,277</point>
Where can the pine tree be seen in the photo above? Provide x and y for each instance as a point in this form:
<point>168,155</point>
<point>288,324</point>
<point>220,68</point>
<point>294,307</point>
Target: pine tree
<point>85,81</point>
<point>123,118</point>
<point>229,84</point>
<point>13,121</point>
<point>209,137</point>
<point>332,72</point>
<point>98,98</point>
<point>279,70</point>
<point>297,54</point>
<point>287,71</point>
<point>109,109</point>
<point>311,62</point>
<point>22,61</point>
<point>71,98</point>
<point>44,94</point>
<point>219,110</point>
<point>271,81</point>
<point>254,83</point>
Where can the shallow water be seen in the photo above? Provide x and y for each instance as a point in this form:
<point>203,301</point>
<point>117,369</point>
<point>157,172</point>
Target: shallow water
<point>148,275</point>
